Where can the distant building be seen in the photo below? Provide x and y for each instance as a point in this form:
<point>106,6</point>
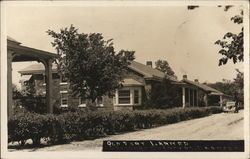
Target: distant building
<point>136,87</point>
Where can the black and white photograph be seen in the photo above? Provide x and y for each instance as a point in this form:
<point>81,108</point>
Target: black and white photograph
<point>117,78</point>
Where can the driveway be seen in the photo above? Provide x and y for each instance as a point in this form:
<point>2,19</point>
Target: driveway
<point>223,126</point>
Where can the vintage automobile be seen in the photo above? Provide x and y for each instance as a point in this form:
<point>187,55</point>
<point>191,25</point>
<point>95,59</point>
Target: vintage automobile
<point>230,107</point>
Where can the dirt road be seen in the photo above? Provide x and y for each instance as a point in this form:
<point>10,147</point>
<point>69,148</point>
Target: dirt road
<point>224,126</point>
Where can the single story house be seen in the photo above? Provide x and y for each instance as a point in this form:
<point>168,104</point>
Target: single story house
<point>196,93</point>
<point>137,84</point>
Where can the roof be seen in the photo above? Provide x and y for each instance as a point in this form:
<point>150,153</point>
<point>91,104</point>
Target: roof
<point>147,71</point>
<point>36,68</point>
<point>131,82</point>
<point>25,53</point>
<point>204,87</point>
<point>13,40</point>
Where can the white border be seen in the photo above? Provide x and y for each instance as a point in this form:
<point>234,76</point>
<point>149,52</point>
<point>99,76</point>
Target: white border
<point>71,154</point>
<point>246,81</point>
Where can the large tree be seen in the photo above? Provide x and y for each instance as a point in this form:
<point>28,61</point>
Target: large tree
<point>89,62</point>
<point>164,66</point>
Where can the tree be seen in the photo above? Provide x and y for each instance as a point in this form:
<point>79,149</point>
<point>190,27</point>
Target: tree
<point>226,86</point>
<point>89,62</point>
<point>239,86</point>
<point>232,43</point>
<point>164,95</point>
<point>16,92</point>
<point>233,88</point>
<point>163,66</point>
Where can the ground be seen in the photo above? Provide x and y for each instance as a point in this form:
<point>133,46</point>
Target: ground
<point>223,126</point>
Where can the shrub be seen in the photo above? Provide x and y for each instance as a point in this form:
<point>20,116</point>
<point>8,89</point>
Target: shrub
<point>26,126</point>
<point>81,125</point>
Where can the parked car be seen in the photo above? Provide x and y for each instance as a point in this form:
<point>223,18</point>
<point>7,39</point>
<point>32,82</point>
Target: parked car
<point>230,107</point>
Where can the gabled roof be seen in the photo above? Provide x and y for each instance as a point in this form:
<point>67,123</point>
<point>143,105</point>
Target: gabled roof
<point>36,68</point>
<point>13,40</point>
<point>147,71</point>
<point>204,87</point>
<point>131,82</point>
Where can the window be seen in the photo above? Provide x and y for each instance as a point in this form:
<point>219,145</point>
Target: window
<point>82,102</point>
<point>124,96</point>
<point>136,96</point>
<point>128,96</point>
<point>64,99</point>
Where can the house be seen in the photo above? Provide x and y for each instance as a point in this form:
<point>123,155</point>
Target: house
<point>195,93</point>
<point>137,84</point>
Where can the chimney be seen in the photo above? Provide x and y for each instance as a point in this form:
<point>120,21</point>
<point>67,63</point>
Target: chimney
<point>149,63</point>
<point>196,80</point>
<point>185,77</point>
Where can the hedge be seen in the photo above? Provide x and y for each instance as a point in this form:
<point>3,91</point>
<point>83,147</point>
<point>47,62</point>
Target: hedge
<point>81,125</point>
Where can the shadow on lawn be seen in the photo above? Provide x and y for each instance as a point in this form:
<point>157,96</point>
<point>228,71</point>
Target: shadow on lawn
<point>29,146</point>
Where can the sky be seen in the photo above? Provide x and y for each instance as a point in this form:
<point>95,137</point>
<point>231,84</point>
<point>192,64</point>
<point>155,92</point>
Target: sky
<point>185,38</point>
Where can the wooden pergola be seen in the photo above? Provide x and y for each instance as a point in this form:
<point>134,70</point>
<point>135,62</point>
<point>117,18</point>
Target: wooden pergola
<point>18,53</point>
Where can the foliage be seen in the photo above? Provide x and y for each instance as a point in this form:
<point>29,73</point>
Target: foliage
<point>27,99</point>
<point>239,86</point>
<point>226,86</point>
<point>233,88</point>
<point>232,43</point>
<point>16,92</point>
<point>90,63</point>
<point>34,103</point>
<point>71,126</point>
<point>232,47</point>
<point>164,95</point>
<point>163,66</point>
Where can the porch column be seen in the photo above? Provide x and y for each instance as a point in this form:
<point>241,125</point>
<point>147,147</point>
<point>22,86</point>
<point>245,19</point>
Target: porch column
<point>9,85</point>
<point>193,98</point>
<point>189,99</point>
<point>132,95</point>
<point>183,97</point>
<point>116,97</point>
<point>221,101</point>
<point>49,85</point>
<point>205,100</point>
<point>197,98</point>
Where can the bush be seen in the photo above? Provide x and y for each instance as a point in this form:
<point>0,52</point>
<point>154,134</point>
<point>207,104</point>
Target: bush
<point>81,125</point>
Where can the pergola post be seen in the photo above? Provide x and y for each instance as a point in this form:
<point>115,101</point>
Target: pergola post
<point>183,97</point>
<point>49,85</point>
<point>9,84</point>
